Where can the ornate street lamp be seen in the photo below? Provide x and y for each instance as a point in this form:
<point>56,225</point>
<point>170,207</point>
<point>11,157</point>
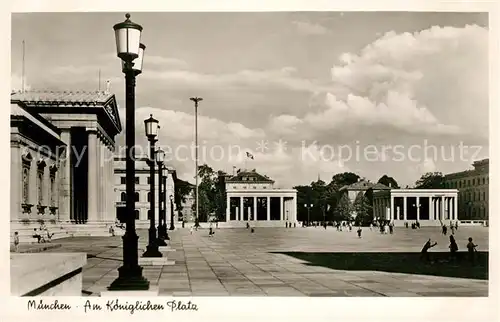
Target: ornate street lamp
<point>308,213</point>
<point>160,158</point>
<point>128,38</point>
<point>164,199</point>
<point>172,212</point>
<point>151,129</point>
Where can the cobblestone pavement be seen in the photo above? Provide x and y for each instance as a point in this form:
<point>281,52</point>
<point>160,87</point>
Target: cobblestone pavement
<point>235,262</point>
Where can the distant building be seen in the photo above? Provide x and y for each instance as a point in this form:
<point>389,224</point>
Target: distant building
<point>187,212</point>
<point>430,207</point>
<point>473,191</point>
<point>360,188</point>
<point>142,190</point>
<point>251,198</point>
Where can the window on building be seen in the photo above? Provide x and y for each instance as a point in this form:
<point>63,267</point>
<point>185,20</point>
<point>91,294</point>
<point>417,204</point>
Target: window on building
<point>484,195</point>
<point>123,180</point>
<point>149,214</point>
<point>149,178</point>
<point>136,214</point>
<point>484,181</point>
<point>136,180</point>
<point>136,196</point>
<point>468,182</point>
<point>26,181</point>
<point>149,196</point>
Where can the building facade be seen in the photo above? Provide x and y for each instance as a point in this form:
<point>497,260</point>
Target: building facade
<point>62,145</point>
<point>473,191</point>
<point>430,207</point>
<point>142,190</point>
<point>360,188</point>
<point>251,198</point>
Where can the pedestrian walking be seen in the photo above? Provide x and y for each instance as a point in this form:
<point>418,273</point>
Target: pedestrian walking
<point>16,242</point>
<point>359,232</point>
<point>191,230</point>
<point>391,228</point>
<point>453,248</point>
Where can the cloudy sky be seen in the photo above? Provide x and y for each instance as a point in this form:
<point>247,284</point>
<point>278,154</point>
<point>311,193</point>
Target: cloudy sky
<point>308,94</point>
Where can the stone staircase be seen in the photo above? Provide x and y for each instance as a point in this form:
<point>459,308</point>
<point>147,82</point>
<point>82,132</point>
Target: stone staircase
<point>61,230</point>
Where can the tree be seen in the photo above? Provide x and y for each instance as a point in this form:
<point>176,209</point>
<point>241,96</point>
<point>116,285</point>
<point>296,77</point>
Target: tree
<point>207,192</point>
<point>344,208</point>
<point>343,179</point>
<point>430,180</point>
<point>364,210</point>
<point>388,181</point>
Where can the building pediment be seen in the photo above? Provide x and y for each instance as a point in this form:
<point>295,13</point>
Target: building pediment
<point>89,102</point>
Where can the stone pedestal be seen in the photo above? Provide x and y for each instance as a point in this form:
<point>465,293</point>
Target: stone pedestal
<point>155,261</point>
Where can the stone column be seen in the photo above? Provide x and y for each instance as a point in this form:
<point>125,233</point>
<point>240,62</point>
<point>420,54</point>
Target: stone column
<point>405,207</point>
<point>294,209</point>
<point>455,208</point>
<point>418,208</point>
<point>98,173</point>
<point>228,207</point>
<point>65,179</point>
<point>392,208</point>
<point>255,208</point>
<point>281,208</point>
<point>92,177</point>
<point>442,209</point>
<point>241,209</point>
<point>431,215</point>
<point>268,208</point>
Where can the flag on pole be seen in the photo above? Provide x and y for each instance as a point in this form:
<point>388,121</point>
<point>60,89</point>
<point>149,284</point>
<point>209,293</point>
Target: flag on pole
<point>249,155</point>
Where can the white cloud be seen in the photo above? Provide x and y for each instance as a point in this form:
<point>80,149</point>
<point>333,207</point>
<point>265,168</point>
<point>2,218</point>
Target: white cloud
<point>310,28</point>
<point>165,61</point>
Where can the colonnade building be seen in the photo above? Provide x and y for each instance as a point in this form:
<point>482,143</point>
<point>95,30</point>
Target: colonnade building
<point>430,207</point>
<point>62,146</point>
<point>251,198</point>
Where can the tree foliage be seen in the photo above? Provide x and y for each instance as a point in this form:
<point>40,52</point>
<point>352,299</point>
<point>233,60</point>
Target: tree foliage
<point>430,180</point>
<point>344,208</point>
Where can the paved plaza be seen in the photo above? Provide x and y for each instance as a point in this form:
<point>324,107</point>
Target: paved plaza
<point>236,262</point>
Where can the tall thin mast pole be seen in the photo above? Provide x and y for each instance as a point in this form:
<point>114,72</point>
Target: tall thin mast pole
<point>22,77</point>
<point>196,100</point>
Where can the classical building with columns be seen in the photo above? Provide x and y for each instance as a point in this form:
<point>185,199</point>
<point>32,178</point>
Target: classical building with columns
<point>430,207</point>
<point>142,190</point>
<point>473,190</point>
<point>251,198</point>
<point>62,147</point>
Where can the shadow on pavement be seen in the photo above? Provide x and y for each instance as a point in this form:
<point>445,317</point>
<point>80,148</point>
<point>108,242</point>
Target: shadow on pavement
<point>408,263</point>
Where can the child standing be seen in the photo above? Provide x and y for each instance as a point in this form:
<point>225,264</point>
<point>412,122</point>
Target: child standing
<point>471,247</point>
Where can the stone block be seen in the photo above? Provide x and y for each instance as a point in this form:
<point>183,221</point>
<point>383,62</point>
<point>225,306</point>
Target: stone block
<point>155,261</point>
<point>153,291</point>
<point>54,274</point>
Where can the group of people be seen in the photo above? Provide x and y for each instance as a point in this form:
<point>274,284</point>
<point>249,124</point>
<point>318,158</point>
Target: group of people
<point>471,249</point>
<point>453,228</point>
<point>40,234</point>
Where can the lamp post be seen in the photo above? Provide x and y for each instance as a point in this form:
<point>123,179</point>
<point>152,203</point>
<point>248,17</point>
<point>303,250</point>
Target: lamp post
<point>151,129</point>
<point>160,158</point>
<point>128,36</point>
<point>196,100</point>
<point>172,212</point>
<point>164,212</point>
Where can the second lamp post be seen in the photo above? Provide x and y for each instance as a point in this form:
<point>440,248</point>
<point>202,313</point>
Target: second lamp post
<point>151,127</point>
<point>160,158</point>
